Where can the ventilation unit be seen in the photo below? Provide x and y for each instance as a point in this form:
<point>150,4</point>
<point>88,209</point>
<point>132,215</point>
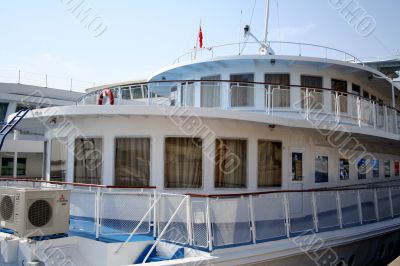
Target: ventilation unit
<point>34,212</point>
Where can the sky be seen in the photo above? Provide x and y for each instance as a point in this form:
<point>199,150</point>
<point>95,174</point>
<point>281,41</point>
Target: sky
<point>130,39</point>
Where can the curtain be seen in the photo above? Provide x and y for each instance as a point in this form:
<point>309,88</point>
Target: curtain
<point>187,94</point>
<point>58,159</point>
<point>315,95</point>
<point>230,163</point>
<point>88,160</point>
<point>269,163</point>
<point>341,87</point>
<point>280,94</point>
<point>183,163</point>
<point>211,92</point>
<point>242,92</point>
<point>132,162</point>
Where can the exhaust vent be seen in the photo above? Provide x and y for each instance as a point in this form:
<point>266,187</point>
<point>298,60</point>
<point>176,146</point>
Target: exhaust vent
<point>6,208</point>
<point>40,213</point>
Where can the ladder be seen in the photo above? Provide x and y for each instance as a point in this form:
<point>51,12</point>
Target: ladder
<point>7,128</point>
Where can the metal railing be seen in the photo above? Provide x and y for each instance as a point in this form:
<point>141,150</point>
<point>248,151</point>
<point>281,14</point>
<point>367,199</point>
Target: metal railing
<point>279,47</point>
<point>278,100</point>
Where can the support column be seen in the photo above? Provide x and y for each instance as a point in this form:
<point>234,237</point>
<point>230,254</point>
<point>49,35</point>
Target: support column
<point>15,164</point>
<point>70,159</point>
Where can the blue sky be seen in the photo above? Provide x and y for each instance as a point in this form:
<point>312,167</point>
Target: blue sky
<point>145,35</point>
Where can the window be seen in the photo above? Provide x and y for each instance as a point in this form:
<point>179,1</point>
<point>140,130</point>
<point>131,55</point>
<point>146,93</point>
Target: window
<point>315,95</point>
<point>242,92</point>
<point>281,92</point>
<point>88,160</point>
<point>125,93</point>
<point>356,89</point>
<point>269,163</point>
<point>132,162</point>
<point>297,166</point>
<point>387,168</point>
<point>211,92</point>
<point>183,163</point>
<point>375,168</point>
<point>3,111</point>
<point>373,97</point>
<point>366,94</point>
<point>396,168</point>
<point>58,160</point>
<point>362,167</point>
<point>340,87</point>
<point>24,106</point>
<point>7,166</point>
<point>321,169</point>
<point>136,92</point>
<point>344,169</point>
<point>230,163</point>
<point>187,94</point>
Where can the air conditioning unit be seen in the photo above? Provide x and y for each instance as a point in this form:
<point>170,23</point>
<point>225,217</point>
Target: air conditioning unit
<point>34,212</point>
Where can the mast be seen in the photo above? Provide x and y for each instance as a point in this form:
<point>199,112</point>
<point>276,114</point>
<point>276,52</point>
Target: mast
<point>266,21</point>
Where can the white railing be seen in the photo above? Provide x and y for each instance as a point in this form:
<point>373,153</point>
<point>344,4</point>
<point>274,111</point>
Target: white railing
<point>43,80</point>
<point>279,47</point>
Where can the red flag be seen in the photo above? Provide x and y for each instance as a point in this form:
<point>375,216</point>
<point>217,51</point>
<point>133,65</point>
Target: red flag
<point>201,38</point>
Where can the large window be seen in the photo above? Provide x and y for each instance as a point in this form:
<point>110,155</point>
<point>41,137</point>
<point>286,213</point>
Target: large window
<point>362,169</point>
<point>211,92</point>
<point>58,159</point>
<point>132,162</point>
<point>230,163</point>
<point>269,163</point>
<point>280,92</point>
<point>387,168</point>
<point>183,164</point>
<point>344,169</point>
<point>7,166</point>
<point>3,111</point>
<point>315,95</point>
<point>340,87</point>
<point>375,168</point>
<point>88,160</point>
<point>242,92</point>
<point>187,94</point>
<point>396,168</point>
<point>321,169</point>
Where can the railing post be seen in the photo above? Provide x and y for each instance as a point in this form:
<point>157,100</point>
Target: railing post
<point>307,104</point>
<point>97,212</point>
<point>155,216</point>
<point>208,219</point>
<point>315,211</point>
<point>189,220</point>
<point>46,81</point>
<point>374,115</point>
<point>339,208</point>
<point>386,119</point>
<point>359,117</point>
<point>391,202</point>
<point>287,216</point>
<point>359,206</point>
<point>337,106</point>
<point>376,204</point>
<point>268,102</point>
<point>252,219</point>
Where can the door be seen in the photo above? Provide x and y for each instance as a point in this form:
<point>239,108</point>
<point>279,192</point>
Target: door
<point>296,169</point>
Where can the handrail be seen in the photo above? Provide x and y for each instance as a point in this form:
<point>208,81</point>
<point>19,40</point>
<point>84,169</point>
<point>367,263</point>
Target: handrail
<point>248,82</point>
<point>285,191</point>
<point>76,184</point>
<point>298,44</point>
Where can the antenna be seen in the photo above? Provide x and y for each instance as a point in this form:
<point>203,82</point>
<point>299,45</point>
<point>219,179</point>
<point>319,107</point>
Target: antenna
<point>266,21</point>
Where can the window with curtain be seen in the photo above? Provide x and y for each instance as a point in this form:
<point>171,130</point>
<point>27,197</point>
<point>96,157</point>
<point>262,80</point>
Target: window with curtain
<point>58,159</point>
<point>88,160</point>
<point>281,92</point>
<point>211,91</point>
<point>242,92</point>
<point>387,168</point>
<point>344,169</point>
<point>375,168</point>
<point>183,163</point>
<point>321,169</point>
<point>230,163</point>
<point>187,94</point>
<point>269,163</point>
<point>362,169</point>
<point>3,111</point>
<point>132,162</point>
<point>7,166</point>
<point>315,95</point>
<point>339,86</point>
<point>396,168</point>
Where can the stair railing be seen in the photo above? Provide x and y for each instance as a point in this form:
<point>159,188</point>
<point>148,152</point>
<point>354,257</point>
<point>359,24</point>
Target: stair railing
<point>186,198</point>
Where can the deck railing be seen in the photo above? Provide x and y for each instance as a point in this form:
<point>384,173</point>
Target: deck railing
<point>279,47</point>
<point>278,100</point>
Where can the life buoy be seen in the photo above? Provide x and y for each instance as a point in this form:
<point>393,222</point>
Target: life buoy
<point>109,94</point>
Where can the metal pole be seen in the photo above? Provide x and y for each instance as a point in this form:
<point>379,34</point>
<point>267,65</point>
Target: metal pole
<point>19,76</point>
<point>266,22</point>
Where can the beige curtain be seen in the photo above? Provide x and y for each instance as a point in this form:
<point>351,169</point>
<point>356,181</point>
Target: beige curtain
<point>88,160</point>
<point>341,87</point>
<point>269,163</point>
<point>211,92</point>
<point>315,95</point>
<point>58,159</point>
<point>187,94</point>
<point>132,162</point>
<point>183,163</point>
<point>242,92</point>
<point>280,94</point>
<point>230,163</point>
